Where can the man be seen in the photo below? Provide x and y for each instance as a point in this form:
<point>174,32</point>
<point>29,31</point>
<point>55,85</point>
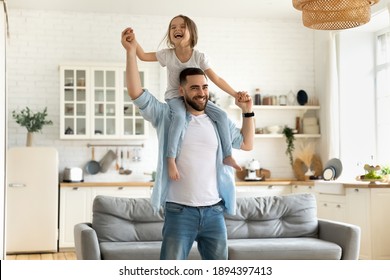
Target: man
<point>194,205</point>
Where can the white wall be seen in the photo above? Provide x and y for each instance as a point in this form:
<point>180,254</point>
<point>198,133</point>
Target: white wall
<point>276,56</point>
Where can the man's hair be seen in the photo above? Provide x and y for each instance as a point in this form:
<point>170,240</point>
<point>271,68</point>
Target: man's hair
<point>190,72</point>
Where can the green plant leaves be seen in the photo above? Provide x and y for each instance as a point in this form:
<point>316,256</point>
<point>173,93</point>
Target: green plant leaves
<point>288,133</point>
<point>33,122</point>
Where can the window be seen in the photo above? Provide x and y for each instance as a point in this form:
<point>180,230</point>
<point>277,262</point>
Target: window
<point>383,97</point>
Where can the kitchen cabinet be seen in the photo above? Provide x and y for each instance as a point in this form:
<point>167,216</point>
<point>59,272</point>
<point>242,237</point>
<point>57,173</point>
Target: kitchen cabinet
<point>267,190</point>
<point>95,104</point>
<point>133,192</point>
<point>270,115</point>
<point>331,207</point>
<point>303,189</point>
<point>76,206</point>
<point>369,208</point>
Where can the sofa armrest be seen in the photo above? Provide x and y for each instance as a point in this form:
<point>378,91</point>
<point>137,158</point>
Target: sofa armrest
<point>86,242</point>
<point>347,236</point>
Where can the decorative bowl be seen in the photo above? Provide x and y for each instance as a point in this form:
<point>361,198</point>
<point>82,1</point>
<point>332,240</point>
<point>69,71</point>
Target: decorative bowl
<point>274,129</point>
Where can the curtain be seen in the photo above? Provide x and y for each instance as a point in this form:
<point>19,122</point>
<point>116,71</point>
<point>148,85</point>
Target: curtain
<point>332,99</point>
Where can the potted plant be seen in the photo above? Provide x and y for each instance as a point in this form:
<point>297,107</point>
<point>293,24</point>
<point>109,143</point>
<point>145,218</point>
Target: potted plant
<point>288,133</point>
<point>385,171</point>
<point>33,122</point>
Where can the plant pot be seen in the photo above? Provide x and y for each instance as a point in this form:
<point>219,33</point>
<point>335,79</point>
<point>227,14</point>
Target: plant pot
<point>30,138</point>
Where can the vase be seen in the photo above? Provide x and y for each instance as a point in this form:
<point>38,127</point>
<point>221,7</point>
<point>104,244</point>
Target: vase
<point>29,140</point>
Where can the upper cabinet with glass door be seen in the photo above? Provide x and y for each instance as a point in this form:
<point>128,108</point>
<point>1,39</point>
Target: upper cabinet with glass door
<point>105,98</point>
<point>95,105</point>
<point>134,124</point>
<point>74,109</point>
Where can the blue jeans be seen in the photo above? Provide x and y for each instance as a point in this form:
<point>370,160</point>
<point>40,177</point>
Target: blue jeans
<point>184,224</point>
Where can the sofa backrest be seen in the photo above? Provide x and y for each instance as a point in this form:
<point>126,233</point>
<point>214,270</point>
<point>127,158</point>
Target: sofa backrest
<point>292,215</point>
<point>121,219</point>
<point>126,219</point>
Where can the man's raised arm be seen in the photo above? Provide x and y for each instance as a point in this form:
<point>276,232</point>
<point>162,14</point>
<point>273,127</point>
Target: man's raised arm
<point>133,80</point>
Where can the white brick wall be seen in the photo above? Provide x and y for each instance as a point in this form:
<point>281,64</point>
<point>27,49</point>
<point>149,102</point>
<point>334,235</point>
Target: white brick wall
<point>276,56</point>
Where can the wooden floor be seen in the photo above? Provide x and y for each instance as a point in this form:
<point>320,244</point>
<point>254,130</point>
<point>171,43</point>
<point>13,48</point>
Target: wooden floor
<point>71,255</point>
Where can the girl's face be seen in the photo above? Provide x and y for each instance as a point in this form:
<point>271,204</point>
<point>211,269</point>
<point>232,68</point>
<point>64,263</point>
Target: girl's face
<point>178,32</point>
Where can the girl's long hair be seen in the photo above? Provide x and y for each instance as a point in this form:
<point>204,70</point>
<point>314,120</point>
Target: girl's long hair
<point>193,30</point>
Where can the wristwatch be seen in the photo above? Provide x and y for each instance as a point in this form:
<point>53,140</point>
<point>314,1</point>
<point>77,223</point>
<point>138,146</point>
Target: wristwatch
<point>248,115</point>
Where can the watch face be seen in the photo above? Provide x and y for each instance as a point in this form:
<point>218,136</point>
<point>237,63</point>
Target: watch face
<point>328,174</point>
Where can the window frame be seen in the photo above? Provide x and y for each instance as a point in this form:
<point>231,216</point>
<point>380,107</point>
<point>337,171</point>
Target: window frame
<point>378,116</point>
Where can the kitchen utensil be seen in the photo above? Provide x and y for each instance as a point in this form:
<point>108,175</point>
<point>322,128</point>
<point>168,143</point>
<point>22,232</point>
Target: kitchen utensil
<point>128,171</point>
<point>121,169</point>
<point>302,97</point>
<point>106,161</point>
<point>73,174</point>
<point>252,166</point>
<point>332,169</point>
<point>116,163</point>
<point>92,167</point>
<point>291,98</point>
<point>274,129</point>
<point>283,100</point>
<point>329,173</point>
<point>267,100</point>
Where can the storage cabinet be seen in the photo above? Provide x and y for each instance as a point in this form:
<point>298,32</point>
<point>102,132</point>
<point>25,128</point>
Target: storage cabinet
<point>303,189</point>
<point>369,208</point>
<point>270,190</point>
<point>76,206</point>
<point>74,102</point>
<point>331,207</point>
<point>95,104</point>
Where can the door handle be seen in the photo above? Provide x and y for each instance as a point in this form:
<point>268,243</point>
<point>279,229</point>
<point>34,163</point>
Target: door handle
<point>16,185</point>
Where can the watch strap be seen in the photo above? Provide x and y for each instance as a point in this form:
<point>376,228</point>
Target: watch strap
<point>248,115</point>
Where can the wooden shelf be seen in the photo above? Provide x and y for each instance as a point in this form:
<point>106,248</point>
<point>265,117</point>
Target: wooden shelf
<point>279,107</point>
<point>281,135</point>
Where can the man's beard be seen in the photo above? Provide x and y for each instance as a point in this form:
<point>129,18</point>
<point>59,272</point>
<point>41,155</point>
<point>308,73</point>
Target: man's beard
<point>194,105</point>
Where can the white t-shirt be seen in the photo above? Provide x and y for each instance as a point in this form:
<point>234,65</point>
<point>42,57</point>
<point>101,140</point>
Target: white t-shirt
<point>197,166</point>
<point>168,58</point>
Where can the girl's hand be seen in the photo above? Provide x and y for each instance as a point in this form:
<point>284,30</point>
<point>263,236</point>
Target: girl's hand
<point>243,96</point>
<point>244,101</point>
<point>128,39</point>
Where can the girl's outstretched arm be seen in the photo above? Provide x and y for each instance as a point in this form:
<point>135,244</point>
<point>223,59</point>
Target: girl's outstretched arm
<point>221,83</point>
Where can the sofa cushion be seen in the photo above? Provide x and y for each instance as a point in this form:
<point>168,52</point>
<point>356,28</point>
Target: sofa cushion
<point>138,251</point>
<point>292,215</point>
<point>126,219</point>
<point>300,248</point>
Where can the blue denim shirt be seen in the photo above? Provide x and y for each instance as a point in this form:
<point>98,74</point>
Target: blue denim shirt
<point>158,114</point>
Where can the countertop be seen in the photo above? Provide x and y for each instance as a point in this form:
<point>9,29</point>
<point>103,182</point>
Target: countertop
<point>273,182</point>
<point>279,182</point>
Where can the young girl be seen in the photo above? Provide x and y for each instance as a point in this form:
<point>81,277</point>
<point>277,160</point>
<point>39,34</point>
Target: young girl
<point>181,38</point>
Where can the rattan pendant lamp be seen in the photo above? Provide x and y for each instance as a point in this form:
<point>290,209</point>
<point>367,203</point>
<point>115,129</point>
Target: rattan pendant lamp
<point>334,14</point>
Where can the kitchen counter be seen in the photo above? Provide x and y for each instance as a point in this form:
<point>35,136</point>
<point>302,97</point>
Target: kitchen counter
<point>106,184</point>
<point>279,182</point>
<point>366,185</point>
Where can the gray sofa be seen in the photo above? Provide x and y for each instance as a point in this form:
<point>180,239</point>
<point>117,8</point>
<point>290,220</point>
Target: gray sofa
<point>264,228</point>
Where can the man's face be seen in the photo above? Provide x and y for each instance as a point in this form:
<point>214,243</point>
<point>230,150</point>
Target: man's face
<point>195,93</point>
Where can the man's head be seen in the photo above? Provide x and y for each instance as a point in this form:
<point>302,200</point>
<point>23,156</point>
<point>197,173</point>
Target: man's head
<point>195,89</point>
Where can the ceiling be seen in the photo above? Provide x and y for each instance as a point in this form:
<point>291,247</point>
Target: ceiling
<point>276,9</point>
